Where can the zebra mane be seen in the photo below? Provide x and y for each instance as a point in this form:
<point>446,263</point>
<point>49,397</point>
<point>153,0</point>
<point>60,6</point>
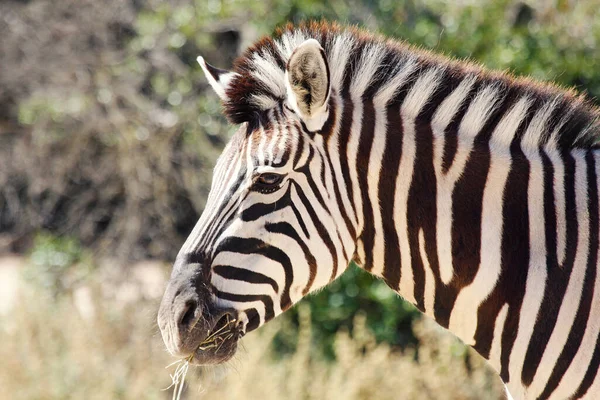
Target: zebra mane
<point>364,62</point>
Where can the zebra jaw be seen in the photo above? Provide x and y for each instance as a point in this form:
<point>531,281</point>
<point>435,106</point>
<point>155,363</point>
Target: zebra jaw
<point>220,344</point>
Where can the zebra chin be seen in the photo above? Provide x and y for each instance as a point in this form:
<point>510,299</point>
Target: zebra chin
<point>222,352</point>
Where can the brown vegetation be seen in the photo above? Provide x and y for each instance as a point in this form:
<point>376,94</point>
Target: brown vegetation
<point>99,340</point>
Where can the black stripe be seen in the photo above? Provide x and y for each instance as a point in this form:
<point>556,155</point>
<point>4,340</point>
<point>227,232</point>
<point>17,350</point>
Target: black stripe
<point>285,228</point>
<point>367,133</point>
<point>343,140</point>
<point>387,192</point>
<point>387,183</point>
<point>451,133</point>
<point>467,215</point>
<point>257,246</point>
<point>305,170</point>
<point>337,186</point>
<point>299,149</point>
<point>244,275</point>
<point>515,249</point>
<point>253,319</point>
<point>248,298</point>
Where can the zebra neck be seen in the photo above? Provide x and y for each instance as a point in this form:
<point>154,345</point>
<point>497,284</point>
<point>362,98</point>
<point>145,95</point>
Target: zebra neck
<point>467,219</point>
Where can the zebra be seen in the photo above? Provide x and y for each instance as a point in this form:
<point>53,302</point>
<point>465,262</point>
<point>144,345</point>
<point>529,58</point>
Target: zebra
<point>472,193</point>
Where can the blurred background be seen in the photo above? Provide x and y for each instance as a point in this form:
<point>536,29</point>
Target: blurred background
<point>108,135</point>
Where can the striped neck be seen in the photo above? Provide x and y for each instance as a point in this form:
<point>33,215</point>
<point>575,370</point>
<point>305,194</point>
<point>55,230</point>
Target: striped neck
<point>458,192</point>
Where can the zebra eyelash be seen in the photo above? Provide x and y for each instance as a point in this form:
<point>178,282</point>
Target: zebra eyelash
<point>267,188</point>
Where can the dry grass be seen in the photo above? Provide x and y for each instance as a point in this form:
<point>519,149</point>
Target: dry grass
<point>49,351</point>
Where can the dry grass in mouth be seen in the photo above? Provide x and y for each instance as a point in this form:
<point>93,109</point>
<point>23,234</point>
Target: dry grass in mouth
<point>213,340</point>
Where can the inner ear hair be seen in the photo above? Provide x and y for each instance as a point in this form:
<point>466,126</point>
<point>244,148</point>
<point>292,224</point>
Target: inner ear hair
<point>308,76</point>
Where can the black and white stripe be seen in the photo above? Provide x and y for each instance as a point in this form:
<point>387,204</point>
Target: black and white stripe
<point>473,194</point>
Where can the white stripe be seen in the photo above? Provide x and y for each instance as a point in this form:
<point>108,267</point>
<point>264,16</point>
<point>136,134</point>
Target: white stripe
<point>338,55</point>
<point>234,286</point>
<point>421,92</point>
<point>537,127</point>
<point>429,277</point>
<point>261,151</point>
<point>272,142</point>
<point>288,43</point>
<point>212,207</point>
<point>450,106</point>
<point>268,74</point>
<point>496,348</point>
<point>560,205</point>
<point>369,61</point>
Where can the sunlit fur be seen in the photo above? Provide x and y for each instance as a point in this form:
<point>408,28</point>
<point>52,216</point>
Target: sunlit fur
<point>472,193</point>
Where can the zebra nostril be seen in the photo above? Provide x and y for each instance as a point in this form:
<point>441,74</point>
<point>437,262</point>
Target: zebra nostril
<point>188,315</point>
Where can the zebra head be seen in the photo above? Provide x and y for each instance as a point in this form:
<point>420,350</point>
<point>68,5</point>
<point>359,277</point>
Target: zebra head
<point>272,230</point>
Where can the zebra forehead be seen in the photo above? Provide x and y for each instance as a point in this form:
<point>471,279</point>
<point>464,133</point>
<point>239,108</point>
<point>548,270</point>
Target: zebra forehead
<point>277,135</point>
<point>358,59</point>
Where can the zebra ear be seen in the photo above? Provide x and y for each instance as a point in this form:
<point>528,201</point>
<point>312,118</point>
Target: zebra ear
<point>219,79</point>
<point>308,84</point>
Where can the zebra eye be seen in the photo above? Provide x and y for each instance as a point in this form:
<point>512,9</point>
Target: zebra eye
<point>269,179</point>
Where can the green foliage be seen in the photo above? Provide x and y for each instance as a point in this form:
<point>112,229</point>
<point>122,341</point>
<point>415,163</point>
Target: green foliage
<point>56,264</point>
<point>335,308</point>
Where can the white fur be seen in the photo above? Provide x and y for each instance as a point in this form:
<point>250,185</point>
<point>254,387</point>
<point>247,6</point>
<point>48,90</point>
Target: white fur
<point>429,277</point>
<point>496,348</point>
<point>338,55</point>
<point>366,69</point>
<point>219,86</point>
<point>537,130</point>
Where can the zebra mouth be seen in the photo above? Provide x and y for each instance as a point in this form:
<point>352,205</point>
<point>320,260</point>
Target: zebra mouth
<point>220,344</point>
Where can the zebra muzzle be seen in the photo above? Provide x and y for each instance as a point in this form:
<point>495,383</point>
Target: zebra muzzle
<point>191,325</point>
